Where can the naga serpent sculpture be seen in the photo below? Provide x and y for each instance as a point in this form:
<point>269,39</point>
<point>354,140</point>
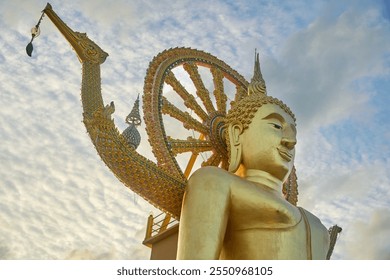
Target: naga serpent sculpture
<point>163,183</point>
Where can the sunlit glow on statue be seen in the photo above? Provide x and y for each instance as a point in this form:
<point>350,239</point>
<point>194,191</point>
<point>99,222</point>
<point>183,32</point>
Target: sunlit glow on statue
<point>245,215</point>
<point>242,203</point>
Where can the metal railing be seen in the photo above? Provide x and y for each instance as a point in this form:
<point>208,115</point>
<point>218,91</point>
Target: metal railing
<point>158,224</point>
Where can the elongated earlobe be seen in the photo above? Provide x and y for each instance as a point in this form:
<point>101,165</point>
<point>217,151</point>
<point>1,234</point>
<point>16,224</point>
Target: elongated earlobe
<point>290,188</point>
<point>235,130</point>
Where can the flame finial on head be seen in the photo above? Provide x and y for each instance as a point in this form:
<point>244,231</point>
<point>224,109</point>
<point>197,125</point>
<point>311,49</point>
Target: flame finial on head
<point>257,84</point>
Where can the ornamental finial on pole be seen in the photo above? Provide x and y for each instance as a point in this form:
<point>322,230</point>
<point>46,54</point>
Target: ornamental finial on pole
<point>133,120</point>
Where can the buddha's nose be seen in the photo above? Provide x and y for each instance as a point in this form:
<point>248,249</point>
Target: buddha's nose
<point>289,142</point>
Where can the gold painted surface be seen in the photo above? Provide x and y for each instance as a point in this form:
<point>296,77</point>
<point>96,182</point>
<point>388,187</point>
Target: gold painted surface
<point>156,105</point>
<point>161,184</point>
<point>161,188</point>
<point>219,94</point>
<point>201,90</point>
<point>189,100</point>
<point>184,117</point>
<point>246,215</point>
<point>195,146</point>
<point>230,216</point>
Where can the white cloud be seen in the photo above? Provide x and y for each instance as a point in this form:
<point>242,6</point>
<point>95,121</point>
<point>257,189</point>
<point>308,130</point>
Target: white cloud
<point>319,64</point>
<point>369,237</point>
<point>60,201</point>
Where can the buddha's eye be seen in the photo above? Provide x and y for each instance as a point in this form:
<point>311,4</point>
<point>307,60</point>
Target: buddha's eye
<point>277,126</point>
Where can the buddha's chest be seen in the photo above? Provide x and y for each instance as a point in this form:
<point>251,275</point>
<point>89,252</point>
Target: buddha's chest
<point>255,207</point>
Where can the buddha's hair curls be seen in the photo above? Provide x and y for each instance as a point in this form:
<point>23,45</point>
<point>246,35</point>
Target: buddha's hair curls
<point>245,109</point>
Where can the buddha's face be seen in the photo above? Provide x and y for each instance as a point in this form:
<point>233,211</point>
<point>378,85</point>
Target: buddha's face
<point>268,144</point>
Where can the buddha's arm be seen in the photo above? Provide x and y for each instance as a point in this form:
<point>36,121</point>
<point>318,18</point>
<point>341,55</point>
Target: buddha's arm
<point>204,216</point>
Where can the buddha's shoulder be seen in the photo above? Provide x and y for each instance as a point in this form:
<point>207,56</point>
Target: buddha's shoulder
<point>212,172</point>
<point>211,175</point>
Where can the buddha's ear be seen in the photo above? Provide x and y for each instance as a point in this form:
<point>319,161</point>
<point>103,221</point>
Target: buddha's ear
<point>235,130</point>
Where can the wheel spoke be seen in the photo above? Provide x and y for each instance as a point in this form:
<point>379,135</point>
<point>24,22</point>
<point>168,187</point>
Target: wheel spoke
<point>189,99</point>
<point>191,144</point>
<point>219,94</point>
<point>201,91</point>
<point>184,117</point>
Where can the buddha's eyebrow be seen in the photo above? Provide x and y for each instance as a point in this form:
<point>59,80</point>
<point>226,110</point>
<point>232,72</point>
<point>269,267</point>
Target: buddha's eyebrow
<point>274,116</point>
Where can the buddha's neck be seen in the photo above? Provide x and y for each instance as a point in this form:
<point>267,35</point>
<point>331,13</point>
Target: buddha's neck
<point>264,178</point>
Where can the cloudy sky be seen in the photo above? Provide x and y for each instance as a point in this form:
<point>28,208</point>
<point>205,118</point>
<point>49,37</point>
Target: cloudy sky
<point>328,60</point>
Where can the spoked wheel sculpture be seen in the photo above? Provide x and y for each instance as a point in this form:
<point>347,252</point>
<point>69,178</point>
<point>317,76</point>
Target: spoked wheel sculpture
<point>176,95</point>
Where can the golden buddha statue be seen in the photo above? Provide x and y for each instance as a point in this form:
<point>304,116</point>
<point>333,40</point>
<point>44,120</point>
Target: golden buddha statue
<point>242,213</point>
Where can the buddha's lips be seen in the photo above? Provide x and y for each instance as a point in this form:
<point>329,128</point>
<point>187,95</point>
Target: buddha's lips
<point>285,154</point>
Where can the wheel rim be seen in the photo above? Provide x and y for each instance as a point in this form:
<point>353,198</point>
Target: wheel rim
<point>176,93</point>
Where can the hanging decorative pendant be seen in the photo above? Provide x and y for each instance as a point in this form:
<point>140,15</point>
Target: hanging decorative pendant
<point>35,31</point>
